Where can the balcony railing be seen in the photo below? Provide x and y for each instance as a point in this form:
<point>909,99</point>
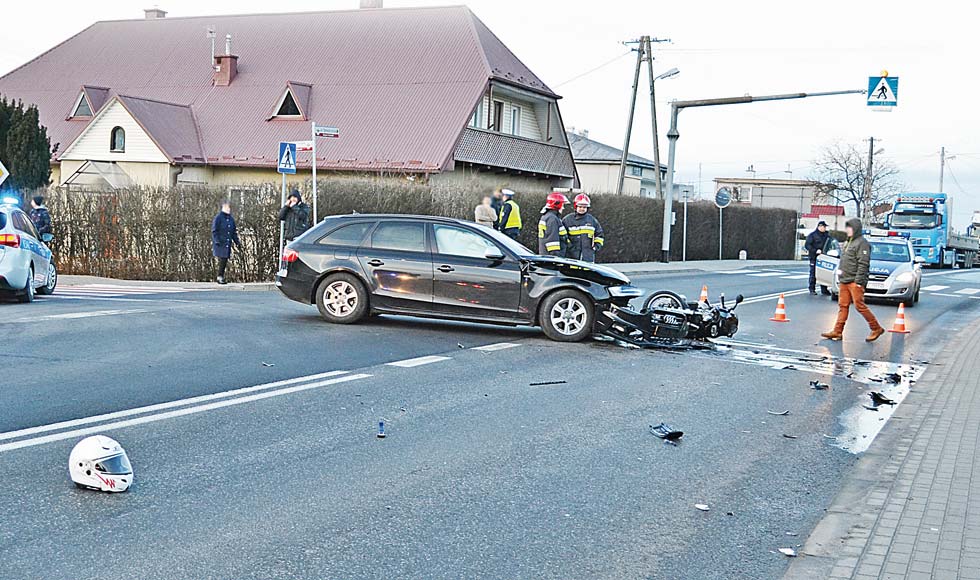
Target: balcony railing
<point>516,153</point>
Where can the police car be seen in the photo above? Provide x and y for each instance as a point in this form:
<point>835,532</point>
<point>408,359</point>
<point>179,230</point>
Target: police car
<point>895,273</point>
<point>26,267</point>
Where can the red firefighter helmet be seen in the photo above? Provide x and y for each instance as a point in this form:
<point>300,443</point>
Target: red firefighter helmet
<point>556,200</point>
<point>583,200</point>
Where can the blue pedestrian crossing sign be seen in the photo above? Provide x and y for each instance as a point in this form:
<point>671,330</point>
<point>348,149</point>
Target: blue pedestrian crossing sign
<point>287,157</point>
<point>883,91</point>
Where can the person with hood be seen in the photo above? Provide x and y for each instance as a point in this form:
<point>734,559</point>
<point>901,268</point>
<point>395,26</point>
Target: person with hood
<point>509,216</point>
<point>224,232</point>
<point>295,215</point>
<point>584,231</point>
<point>552,234</point>
<point>814,246</point>
<point>497,204</point>
<point>40,216</point>
<point>855,261</point>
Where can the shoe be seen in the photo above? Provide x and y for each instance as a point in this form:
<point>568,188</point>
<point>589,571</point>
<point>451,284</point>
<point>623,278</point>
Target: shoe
<point>813,292</point>
<point>832,335</point>
<point>221,280</point>
<point>874,335</point>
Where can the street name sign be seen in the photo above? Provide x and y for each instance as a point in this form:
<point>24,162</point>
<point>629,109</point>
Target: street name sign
<point>303,145</point>
<point>287,158</point>
<point>326,131</point>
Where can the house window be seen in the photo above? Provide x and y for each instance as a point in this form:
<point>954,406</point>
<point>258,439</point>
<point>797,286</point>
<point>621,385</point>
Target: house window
<point>636,170</point>
<point>81,107</point>
<point>742,193</point>
<point>288,108</point>
<point>515,120</point>
<point>477,119</point>
<point>498,115</point>
<point>117,142</point>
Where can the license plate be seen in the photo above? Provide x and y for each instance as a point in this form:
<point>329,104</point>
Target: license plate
<point>878,285</point>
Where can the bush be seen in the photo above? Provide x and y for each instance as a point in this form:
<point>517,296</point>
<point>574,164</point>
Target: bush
<point>165,234</point>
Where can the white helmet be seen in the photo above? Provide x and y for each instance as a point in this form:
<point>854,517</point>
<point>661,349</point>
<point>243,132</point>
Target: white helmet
<point>99,462</point>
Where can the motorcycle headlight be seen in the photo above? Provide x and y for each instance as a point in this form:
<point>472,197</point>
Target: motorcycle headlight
<point>905,277</point>
<point>625,292</point>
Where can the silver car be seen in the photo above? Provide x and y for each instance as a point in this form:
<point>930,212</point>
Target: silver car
<point>895,273</point>
<point>26,267</point>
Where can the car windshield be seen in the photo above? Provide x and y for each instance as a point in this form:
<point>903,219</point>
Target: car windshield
<point>508,243</point>
<point>888,252</point>
<point>913,221</point>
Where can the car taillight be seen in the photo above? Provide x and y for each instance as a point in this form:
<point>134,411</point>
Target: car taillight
<point>10,240</point>
<point>290,255</point>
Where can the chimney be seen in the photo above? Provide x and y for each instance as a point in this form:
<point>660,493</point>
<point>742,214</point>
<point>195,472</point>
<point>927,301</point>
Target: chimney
<point>372,4</point>
<point>154,13</point>
<point>225,66</point>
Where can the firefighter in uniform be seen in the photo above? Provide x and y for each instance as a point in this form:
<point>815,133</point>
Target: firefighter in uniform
<point>584,231</point>
<point>552,235</point>
<point>509,217</point>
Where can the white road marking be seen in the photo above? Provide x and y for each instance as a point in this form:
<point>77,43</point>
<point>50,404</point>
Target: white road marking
<point>946,295</point>
<point>774,296</point>
<point>767,274</point>
<point>739,272</point>
<point>796,277</point>
<point>94,313</point>
<point>934,288</point>
<point>495,347</point>
<point>969,291</point>
<point>162,406</point>
<point>176,413</point>
<point>416,362</point>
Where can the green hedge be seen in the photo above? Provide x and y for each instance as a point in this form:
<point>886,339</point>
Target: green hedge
<point>164,234</point>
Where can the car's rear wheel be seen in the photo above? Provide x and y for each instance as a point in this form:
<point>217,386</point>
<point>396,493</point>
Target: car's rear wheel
<point>48,288</point>
<point>567,316</point>
<point>341,299</point>
<point>27,295</point>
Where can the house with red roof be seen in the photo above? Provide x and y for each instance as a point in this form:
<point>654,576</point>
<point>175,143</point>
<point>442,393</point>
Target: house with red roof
<point>425,92</point>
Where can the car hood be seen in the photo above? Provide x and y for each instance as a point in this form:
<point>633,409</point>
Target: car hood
<point>886,268</point>
<point>578,269</point>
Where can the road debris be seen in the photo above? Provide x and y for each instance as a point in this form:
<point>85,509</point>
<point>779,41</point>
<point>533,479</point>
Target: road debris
<point>788,552</point>
<point>870,408</point>
<point>268,364</point>
<point>460,345</point>
<point>666,432</point>
<point>702,506</point>
<point>879,399</point>
<point>542,384</point>
<point>817,385</point>
<point>381,429</point>
<point>893,378</point>
<point>791,436</point>
<point>780,413</point>
<point>794,534</point>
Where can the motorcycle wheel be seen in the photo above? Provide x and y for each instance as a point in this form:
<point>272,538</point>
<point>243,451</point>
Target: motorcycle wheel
<point>664,299</point>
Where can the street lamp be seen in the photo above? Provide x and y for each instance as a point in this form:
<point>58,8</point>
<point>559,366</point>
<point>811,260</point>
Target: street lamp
<point>671,73</point>
<point>656,136</point>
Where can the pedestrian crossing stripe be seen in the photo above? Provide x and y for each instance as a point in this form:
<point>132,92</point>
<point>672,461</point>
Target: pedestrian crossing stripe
<point>767,274</point>
<point>935,288</point>
<point>969,291</point>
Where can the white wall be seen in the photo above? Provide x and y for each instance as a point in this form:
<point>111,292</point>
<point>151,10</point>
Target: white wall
<point>604,177</point>
<point>529,126</point>
<point>94,142</point>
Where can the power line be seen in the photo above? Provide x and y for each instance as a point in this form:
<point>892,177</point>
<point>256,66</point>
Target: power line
<point>592,70</point>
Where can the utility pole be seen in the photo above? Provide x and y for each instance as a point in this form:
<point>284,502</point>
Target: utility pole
<point>643,53</point>
<point>942,167</point>
<point>869,177</point>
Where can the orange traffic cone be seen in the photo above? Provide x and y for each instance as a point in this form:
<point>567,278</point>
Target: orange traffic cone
<point>704,294</point>
<point>780,315</point>
<point>899,325</point>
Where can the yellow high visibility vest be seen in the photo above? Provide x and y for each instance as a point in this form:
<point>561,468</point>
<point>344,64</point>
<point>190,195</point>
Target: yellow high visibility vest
<point>514,218</point>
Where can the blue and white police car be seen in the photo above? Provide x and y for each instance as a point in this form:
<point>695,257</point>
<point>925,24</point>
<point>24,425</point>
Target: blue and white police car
<point>895,273</point>
<point>26,267</point>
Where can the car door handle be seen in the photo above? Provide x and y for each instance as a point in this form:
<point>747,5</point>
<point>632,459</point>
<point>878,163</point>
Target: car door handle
<point>375,263</point>
<point>445,268</point>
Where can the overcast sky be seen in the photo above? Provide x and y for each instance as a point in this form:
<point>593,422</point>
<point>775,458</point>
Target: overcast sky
<point>722,48</point>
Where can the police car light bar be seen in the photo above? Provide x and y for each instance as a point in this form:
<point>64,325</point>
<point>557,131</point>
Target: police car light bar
<point>10,201</point>
<point>887,233</point>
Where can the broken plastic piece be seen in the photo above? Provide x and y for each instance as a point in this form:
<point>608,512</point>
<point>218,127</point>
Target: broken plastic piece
<point>879,399</point>
<point>791,436</point>
<point>460,345</point>
<point>788,552</point>
<point>819,386</point>
<point>786,412</point>
<point>548,383</point>
<point>702,506</point>
<point>265,364</point>
<point>665,431</point>
<point>381,429</point>
<point>870,408</point>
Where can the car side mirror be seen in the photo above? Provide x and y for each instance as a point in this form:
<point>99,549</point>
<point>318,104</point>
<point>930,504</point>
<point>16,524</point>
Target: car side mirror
<point>919,260</point>
<point>46,238</point>
<point>493,254</point>
<point>834,254</point>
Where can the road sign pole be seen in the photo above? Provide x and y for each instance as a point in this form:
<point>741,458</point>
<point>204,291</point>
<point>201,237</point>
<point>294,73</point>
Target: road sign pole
<point>282,224</point>
<point>721,210</point>
<point>313,137</point>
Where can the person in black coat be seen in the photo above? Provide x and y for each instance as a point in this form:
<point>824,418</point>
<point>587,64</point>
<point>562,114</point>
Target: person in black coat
<point>40,215</point>
<point>223,234</point>
<point>815,243</point>
<point>295,215</point>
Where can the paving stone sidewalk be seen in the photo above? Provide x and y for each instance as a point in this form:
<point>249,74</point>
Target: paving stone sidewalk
<point>911,509</point>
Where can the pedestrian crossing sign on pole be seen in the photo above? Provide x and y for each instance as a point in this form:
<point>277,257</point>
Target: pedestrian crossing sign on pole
<point>883,92</point>
<point>287,158</point>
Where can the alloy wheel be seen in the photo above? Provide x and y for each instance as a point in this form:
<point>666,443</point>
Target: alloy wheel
<point>340,298</point>
<point>569,316</point>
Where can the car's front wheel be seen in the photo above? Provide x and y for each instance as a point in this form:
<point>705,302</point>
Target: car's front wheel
<point>342,299</point>
<point>48,288</point>
<point>28,294</point>
<point>567,316</point>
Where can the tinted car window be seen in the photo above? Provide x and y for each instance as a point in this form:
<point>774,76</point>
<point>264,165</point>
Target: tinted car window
<point>886,252</point>
<point>455,241</point>
<point>3,220</point>
<point>405,236</point>
<point>348,235</point>
<point>23,223</point>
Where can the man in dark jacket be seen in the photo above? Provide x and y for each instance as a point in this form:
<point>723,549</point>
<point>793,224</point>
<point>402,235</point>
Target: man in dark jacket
<point>497,203</point>
<point>584,231</point>
<point>40,215</point>
<point>224,232</point>
<point>552,234</point>
<point>855,260</point>
<point>814,246</point>
<point>296,216</point>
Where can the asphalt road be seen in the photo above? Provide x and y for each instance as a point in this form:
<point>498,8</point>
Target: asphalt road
<point>481,475</point>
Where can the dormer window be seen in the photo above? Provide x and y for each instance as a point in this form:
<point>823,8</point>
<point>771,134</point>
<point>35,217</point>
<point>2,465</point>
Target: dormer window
<point>82,108</point>
<point>288,108</point>
<point>117,140</point>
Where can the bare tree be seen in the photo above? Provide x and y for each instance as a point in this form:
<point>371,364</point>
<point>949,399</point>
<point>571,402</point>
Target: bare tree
<point>843,169</point>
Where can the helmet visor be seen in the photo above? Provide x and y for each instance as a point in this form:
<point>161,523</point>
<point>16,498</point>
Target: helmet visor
<point>115,465</point>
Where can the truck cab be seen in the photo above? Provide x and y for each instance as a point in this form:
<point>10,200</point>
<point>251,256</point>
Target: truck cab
<point>926,219</point>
